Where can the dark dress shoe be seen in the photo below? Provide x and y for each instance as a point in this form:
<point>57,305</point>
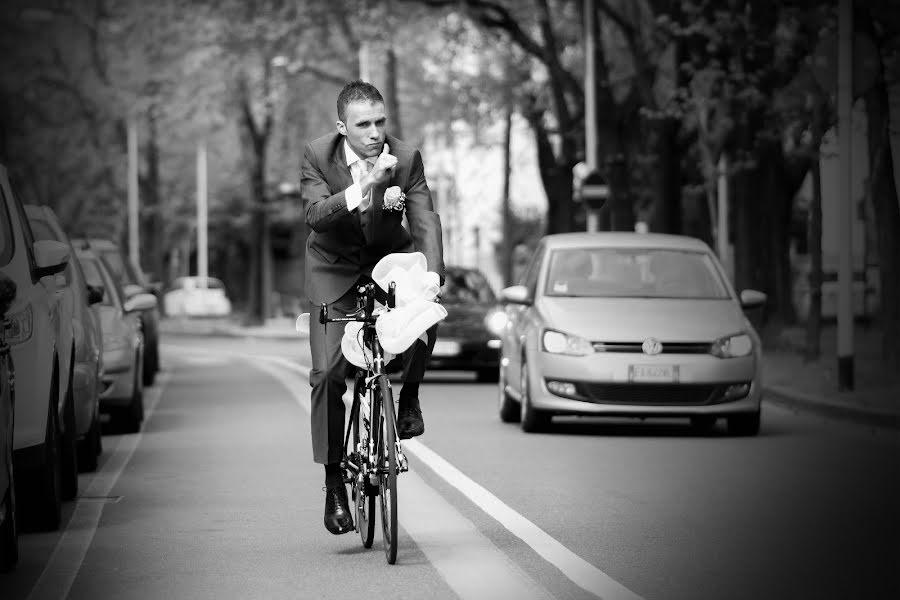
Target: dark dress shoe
<point>410,423</point>
<point>338,519</point>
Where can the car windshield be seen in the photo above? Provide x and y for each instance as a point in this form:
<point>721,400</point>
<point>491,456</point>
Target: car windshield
<point>633,273</point>
<point>467,287</point>
<point>43,231</point>
<point>94,275</point>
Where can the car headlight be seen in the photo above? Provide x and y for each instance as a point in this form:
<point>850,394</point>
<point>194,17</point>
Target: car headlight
<point>495,322</point>
<point>557,342</point>
<point>19,326</point>
<point>732,346</point>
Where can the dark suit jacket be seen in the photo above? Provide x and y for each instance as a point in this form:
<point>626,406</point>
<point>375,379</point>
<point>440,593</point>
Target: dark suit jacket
<point>343,245</point>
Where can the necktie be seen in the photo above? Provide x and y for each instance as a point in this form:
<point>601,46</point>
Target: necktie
<point>363,167</point>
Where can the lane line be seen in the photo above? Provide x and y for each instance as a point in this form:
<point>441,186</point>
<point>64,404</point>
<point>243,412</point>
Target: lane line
<point>575,568</point>
<point>59,574</point>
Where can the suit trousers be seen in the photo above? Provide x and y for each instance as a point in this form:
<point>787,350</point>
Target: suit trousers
<point>330,371</point>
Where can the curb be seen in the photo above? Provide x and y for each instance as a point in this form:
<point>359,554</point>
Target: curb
<point>798,400</point>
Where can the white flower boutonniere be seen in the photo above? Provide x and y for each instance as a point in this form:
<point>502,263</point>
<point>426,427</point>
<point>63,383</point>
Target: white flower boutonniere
<point>394,199</point>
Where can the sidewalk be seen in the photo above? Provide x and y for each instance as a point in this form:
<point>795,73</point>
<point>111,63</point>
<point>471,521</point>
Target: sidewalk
<point>788,379</point>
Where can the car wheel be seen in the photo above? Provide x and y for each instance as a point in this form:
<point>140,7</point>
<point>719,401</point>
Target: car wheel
<point>532,419</point>
<point>703,424</point>
<point>151,363</point>
<point>508,408</point>
<point>745,424</point>
<point>487,375</point>
<point>133,414</point>
<point>69,454</point>
<point>40,495</point>
<point>90,447</point>
<point>9,537</point>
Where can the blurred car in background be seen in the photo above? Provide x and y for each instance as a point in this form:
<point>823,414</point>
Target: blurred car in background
<point>43,451</point>
<point>86,338</point>
<point>132,281</point>
<point>196,297</point>
<point>123,343</point>
<point>629,324</point>
<point>9,536</point>
<point>469,338</point>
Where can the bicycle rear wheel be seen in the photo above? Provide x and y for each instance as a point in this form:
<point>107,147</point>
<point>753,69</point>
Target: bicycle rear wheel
<point>363,498</point>
<point>388,463</point>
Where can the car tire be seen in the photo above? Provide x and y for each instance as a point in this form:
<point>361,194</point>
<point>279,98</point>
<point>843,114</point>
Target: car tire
<point>69,454</point>
<point>746,424</point>
<point>133,414</point>
<point>9,536</point>
<point>151,363</point>
<point>90,447</point>
<point>507,407</point>
<point>533,420</point>
<point>40,495</point>
<point>703,424</point>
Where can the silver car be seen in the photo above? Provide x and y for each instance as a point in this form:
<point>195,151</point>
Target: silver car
<point>629,324</point>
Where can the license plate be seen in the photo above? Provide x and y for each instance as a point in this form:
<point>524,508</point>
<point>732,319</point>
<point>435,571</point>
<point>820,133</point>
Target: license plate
<point>653,373</point>
<point>446,348</point>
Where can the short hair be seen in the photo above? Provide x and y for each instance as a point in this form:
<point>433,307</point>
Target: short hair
<point>356,91</point>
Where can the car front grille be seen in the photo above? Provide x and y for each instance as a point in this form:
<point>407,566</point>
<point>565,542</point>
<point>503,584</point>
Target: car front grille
<point>667,347</point>
<point>651,394</point>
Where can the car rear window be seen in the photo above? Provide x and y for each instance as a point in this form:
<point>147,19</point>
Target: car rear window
<point>467,287</point>
<point>633,273</point>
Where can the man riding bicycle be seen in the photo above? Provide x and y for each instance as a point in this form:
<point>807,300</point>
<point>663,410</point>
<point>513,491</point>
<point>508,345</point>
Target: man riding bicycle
<point>344,177</point>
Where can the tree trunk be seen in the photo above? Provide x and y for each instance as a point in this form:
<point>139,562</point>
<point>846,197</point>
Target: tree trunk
<point>393,103</point>
<point>813,348</point>
<point>507,243</point>
<point>668,179</point>
<point>151,237</point>
<point>887,219</point>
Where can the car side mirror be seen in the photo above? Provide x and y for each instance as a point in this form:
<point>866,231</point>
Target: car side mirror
<point>752,299</point>
<point>95,294</point>
<point>50,257</point>
<point>140,302</point>
<point>7,293</point>
<point>516,294</point>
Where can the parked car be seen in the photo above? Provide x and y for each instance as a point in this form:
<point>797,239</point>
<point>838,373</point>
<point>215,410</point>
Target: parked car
<point>9,536</point>
<point>469,338</point>
<point>44,440</point>
<point>196,297</point>
<point>86,338</point>
<point>123,343</point>
<point>629,324</point>
<point>132,281</point>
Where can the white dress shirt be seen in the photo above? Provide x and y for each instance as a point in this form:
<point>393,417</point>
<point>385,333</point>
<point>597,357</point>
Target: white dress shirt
<point>353,194</point>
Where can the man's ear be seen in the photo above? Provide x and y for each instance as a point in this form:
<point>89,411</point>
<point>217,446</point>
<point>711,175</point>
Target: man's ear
<point>342,129</point>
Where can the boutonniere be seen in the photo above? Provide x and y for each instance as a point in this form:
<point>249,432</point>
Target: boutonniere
<point>394,199</point>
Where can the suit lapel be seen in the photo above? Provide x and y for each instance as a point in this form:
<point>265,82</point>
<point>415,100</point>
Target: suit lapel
<point>339,171</point>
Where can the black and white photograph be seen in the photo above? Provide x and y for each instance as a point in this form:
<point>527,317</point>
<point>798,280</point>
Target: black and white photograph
<point>451,299</point>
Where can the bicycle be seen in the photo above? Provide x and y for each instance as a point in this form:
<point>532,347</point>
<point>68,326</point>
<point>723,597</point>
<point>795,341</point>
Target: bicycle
<point>372,456</point>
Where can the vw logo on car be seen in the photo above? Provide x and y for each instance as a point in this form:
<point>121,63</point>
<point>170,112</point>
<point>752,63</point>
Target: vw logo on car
<point>652,346</point>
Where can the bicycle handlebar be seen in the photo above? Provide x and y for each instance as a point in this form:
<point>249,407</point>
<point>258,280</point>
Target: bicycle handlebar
<point>365,301</point>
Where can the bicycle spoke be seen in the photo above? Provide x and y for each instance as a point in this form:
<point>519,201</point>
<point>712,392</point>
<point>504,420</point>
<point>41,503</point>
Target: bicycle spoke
<point>388,464</point>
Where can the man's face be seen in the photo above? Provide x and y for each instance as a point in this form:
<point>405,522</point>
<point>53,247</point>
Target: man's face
<point>364,127</point>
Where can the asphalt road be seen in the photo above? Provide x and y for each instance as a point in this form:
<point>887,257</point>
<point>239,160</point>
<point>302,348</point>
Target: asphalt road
<point>218,497</point>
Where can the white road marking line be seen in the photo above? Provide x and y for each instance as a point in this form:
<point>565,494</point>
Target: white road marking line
<point>578,570</point>
<point>58,575</point>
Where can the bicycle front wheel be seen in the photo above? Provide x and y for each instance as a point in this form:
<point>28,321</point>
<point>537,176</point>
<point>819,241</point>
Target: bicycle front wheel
<point>388,460</point>
<point>363,493</point>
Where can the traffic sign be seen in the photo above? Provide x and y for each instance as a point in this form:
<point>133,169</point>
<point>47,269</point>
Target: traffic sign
<point>594,190</point>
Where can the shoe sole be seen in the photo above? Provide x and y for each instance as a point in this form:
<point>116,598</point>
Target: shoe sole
<point>411,433</point>
<point>341,531</point>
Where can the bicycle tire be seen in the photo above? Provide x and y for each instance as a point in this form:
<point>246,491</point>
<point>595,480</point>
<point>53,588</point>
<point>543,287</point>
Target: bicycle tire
<point>388,462</point>
<point>363,500</point>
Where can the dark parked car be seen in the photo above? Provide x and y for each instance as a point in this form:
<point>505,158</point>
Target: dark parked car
<point>133,282</point>
<point>469,338</point>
